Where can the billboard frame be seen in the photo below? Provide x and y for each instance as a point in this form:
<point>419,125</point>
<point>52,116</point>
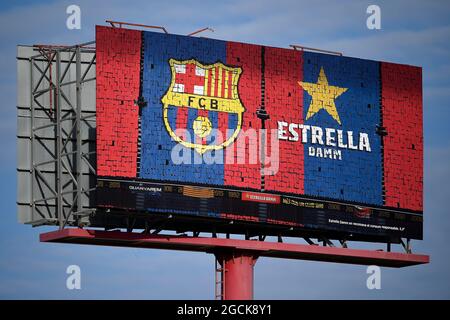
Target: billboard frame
<point>48,72</point>
<point>77,213</point>
<point>408,216</point>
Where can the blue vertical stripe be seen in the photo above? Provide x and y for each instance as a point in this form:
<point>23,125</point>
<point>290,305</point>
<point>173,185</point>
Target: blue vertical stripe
<point>358,176</point>
<point>232,123</point>
<point>156,143</point>
<point>192,115</point>
<point>213,116</point>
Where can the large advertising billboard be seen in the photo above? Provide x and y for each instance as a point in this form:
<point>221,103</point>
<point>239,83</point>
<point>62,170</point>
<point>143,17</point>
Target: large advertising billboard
<point>241,132</point>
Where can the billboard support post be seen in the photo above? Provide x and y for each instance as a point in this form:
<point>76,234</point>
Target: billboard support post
<point>237,275</point>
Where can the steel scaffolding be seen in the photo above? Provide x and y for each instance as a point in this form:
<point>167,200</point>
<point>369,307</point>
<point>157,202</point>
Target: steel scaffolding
<point>58,157</point>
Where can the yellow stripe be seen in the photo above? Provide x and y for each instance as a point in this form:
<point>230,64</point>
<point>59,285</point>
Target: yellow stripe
<point>234,84</point>
<point>213,81</point>
<point>219,85</point>
<point>226,84</point>
<point>206,82</point>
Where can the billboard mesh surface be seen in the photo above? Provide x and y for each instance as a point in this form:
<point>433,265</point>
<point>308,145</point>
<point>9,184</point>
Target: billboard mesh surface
<point>182,128</point>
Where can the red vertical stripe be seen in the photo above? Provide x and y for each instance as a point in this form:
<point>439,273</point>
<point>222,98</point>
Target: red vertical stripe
<point>222,125</point>
<point>248,57</point>
<point>222,116</point>
<point>223,83</point>
<point>230,85</point>
<point>403,146</point>
<point>206,88</point>
<point>182,119</point>
<point>284,102</point>
<point>212,73</point>
<point>216,83</point>
<point>117,88</point>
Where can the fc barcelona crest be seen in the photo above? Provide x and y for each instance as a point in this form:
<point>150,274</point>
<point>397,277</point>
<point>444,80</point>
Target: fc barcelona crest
<point>202,98</point>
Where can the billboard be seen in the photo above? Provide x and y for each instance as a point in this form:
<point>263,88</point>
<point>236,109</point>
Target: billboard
<point>231,131</point>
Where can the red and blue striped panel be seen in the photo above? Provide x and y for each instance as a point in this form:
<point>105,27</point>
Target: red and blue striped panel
<point>363,145</point>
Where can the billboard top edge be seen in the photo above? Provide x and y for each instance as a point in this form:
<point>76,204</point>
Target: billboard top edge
<point>267,46</point>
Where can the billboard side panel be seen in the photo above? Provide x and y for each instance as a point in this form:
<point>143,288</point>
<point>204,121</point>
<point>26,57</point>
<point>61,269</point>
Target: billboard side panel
<point>37,151</point>
<point>118,80</point>
<point>403,145</point>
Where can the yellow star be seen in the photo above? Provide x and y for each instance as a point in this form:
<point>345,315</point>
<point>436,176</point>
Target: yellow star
<point>323,96</point>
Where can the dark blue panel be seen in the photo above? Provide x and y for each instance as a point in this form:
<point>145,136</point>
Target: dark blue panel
<point>192,115</point>
<point>358,176</point>
<point>232,123</point>
<point>156,143</point>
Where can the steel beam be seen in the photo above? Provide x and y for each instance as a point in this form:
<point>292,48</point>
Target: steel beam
<point>59,143</point>
<point>78,131</point>
<point>215,245</point>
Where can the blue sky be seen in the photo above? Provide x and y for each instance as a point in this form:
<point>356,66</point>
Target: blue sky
<point>413,32</point>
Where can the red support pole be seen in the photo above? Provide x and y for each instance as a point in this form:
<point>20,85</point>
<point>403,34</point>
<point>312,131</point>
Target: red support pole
<point>238,275</point>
